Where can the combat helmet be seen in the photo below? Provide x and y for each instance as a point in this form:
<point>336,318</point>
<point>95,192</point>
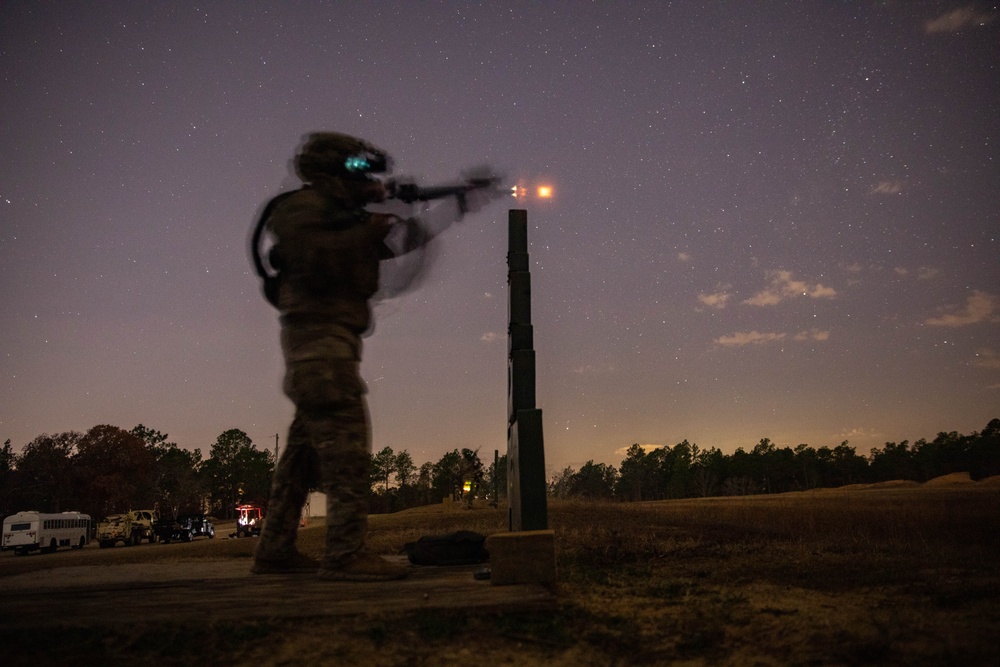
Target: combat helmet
<point>325,154</point>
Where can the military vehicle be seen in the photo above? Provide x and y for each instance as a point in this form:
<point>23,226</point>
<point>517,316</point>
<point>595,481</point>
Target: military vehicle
<point>130,528</point>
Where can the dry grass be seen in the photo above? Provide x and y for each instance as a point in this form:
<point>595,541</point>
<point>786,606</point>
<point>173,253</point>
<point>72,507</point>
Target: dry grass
<point>892,575</point>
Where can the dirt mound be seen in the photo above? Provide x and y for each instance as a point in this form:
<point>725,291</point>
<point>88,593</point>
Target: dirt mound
<point>894,484</point>
<point>953,478</point>
<point>852,487</point>
<point>990,481</point>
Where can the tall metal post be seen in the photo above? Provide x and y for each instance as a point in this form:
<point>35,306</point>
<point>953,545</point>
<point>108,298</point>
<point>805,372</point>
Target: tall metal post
<point>526,485</point>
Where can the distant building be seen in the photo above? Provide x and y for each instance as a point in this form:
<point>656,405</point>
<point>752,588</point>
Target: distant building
<point>315,505</point>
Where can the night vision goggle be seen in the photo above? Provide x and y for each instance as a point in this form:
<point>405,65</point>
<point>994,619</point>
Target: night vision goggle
<point>367,163</point>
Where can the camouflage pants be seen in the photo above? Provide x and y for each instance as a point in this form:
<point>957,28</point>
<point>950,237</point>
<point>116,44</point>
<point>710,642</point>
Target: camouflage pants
<point>327,448</point>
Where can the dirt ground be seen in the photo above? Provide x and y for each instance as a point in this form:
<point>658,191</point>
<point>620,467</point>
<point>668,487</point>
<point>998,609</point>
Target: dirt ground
<point>896,575</point>
<point>225,590</point>
<point>166,592</point>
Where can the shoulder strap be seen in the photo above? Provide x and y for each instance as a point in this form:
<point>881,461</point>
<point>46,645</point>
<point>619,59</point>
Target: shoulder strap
<point>271,281</point>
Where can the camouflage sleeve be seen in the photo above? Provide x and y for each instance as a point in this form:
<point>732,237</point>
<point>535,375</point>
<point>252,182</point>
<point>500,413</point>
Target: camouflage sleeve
<point>404,236</point>
<point>382,226</point>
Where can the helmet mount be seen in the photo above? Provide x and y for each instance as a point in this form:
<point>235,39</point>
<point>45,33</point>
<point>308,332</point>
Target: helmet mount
<point>326,154</point>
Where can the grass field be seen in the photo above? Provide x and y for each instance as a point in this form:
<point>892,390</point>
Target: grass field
<point>898,575</point>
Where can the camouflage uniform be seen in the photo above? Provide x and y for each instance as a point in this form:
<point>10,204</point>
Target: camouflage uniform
<point>327,262</point>
<point>330,250</point>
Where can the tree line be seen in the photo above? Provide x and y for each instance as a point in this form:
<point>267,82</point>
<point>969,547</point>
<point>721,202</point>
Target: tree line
<point>685,470</point>
<point>109,470</point>
<point>397,483</point>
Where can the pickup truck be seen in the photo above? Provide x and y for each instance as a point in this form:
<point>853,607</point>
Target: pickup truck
<point>184,528</point>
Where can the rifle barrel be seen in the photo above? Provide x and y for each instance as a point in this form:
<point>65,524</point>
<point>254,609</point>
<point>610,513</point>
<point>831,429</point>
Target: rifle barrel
<point>409,192</point>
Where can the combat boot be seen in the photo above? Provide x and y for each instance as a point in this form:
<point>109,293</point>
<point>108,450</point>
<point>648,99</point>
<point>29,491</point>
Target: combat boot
<point>295,564</point>
<point>364,567</point>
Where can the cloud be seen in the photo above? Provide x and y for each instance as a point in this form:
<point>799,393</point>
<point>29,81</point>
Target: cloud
<point>858,433</point>
<point>813,334</point>
<point>923,272</point>
<point>958,19</point>
<point>887,188</point>
<point>927,273</point>
<point>986,358</point>
<point>783,287</point>
<point>622,451</point>
<point>853,272</point>
<point>979,307</point>
<point>765,298</point>
<point>717,300</point>
<point>741,338</point>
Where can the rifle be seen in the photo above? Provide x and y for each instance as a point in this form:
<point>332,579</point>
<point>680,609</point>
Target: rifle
<point>409,192</point>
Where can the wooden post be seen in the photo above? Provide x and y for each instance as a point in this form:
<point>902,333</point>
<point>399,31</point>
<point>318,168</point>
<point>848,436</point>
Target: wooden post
<point>526,484</point>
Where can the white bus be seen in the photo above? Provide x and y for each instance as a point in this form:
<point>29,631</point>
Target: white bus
<point>28,531</point>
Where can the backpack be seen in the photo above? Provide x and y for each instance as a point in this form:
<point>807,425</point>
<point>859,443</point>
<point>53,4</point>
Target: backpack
<point>463,547</point>
<point>270,278</point>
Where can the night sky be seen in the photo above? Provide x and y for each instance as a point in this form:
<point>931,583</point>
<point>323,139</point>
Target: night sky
<point>770,219</point>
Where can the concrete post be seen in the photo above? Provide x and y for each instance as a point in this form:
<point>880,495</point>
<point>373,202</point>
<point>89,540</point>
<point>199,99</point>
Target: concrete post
<point>526,484</point>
